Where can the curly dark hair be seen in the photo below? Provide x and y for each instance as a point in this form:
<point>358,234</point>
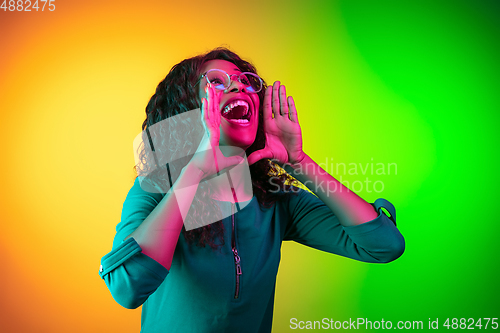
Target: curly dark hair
<point>177,94</point>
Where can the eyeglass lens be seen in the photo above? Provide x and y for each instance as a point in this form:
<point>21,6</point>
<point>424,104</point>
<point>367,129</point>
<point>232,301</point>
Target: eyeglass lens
<point>221,80</point>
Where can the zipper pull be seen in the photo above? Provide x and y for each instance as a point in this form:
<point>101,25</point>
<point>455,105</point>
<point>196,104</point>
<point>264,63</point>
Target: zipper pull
<point>237,262</point>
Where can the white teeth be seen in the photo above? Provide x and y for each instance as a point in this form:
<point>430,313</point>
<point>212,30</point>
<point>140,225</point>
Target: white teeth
<point>241,121</point>
<point>230,106</point>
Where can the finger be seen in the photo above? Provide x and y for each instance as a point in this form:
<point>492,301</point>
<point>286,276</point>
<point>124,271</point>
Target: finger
<point>258,155</point>
<point>204,111</point>
<point>206,127</point>
<point>210,98</point>
<point>283,103</point>
<point>276,99</point>
<point>211,122</point>
<point>216,107</point>
<point>292,109</point>
<point>268,108</point>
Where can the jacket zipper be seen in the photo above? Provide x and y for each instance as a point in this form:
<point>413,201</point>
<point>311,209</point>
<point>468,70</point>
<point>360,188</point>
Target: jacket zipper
<point>236,258</point>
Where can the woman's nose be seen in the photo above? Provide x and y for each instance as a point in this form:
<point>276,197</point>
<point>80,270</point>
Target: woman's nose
<point>236,85</point>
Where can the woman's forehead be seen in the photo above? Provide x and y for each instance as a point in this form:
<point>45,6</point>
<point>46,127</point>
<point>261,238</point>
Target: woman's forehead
<point>226,66</point>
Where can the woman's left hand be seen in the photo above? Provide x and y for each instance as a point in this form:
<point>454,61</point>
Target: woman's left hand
<point>283,135</point>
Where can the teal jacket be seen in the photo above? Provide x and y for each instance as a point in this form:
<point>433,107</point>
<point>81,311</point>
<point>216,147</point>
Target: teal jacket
<point>209,290</point>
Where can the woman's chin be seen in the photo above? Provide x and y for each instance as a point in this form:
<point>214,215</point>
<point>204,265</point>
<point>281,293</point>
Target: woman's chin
<point>236,143</point>
<point>242,139</point>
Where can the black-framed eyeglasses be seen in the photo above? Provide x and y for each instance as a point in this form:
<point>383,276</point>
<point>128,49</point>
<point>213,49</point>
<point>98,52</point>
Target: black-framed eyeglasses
<point>221,80</point>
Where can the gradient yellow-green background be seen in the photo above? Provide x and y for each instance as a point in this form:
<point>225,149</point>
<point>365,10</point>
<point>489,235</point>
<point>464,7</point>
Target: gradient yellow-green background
<point>374,82</point>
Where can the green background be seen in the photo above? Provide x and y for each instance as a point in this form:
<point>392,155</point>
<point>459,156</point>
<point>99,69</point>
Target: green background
<point>417,87</point>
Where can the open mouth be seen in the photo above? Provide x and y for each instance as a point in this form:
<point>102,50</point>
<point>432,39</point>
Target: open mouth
<point>237,112</point>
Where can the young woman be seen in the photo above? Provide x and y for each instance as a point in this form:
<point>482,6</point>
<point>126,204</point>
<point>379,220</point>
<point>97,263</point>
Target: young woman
<point>219,274</point>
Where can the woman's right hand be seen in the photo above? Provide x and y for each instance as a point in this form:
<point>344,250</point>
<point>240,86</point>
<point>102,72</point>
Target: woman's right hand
<point>208,157</point>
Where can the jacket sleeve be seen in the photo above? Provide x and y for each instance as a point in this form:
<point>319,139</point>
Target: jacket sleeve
<point>313,224</point>
<point>130,275</point>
